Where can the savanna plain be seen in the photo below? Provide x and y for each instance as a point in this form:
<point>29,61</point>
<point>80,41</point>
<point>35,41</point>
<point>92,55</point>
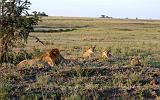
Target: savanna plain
<point>95,77</point>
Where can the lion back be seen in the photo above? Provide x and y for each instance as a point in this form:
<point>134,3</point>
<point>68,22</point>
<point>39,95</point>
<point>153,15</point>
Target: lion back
<point>30,62</point>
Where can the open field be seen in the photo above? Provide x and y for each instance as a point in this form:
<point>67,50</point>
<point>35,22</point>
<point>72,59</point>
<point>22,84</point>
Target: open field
<point>124,37</point>
<point>93,78</point>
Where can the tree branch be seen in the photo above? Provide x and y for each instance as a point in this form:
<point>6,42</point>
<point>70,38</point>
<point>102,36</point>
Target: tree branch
<point>38,40</point>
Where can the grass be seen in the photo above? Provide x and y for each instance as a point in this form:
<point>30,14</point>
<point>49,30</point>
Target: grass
<point>101,32</point>
<point>94,78</point>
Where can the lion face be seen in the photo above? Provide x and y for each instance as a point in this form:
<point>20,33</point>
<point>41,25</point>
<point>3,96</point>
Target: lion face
<point>135,62</point>
<point>106,54</point>
<point>89,52</point>
<point>54,53</point>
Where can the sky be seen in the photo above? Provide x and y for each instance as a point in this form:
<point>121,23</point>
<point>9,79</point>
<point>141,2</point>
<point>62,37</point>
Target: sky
<point>145,9</point>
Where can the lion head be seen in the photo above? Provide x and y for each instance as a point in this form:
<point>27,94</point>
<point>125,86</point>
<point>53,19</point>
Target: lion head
<point>89,52</point>
<point>106,54</point>
<point>135,62</point>
<point>51,57</point>
<point>54,53</point>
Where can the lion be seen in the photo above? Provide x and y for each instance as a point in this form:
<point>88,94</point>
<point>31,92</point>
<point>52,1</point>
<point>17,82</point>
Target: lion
<point>89,52</point>
<point>106,54</point>
<point>31,62</point>
<point>135,62</point>
<point>51,58</point>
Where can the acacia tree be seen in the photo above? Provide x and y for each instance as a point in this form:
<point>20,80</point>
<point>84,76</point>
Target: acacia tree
<point>15,24</point>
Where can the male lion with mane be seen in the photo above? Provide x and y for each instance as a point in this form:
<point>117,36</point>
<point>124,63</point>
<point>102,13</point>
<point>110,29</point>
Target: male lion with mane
<point>51,58</point>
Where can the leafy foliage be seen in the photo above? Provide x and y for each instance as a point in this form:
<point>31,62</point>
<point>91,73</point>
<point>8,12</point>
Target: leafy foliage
<point>15,24</point>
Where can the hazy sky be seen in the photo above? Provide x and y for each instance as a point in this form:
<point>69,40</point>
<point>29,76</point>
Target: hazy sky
<point>95,8</point>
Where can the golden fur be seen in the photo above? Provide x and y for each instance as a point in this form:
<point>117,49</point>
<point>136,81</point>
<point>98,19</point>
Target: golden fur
<point>31,62</point>
<point>135,62</point>
<point>89,52</point>
<point>51,57</point>
<point>106,54</point>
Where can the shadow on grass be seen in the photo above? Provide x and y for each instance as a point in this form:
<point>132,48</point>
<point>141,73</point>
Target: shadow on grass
<point>155,64</point>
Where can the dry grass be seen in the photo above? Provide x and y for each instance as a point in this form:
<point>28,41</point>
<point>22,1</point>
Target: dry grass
<point>93,78</point>
<point>131,37</point>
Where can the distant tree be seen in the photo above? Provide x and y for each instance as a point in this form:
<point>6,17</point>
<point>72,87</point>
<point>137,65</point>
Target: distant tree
<point>15,25</point>
<point>103,16</point>
<point>108,17</point>
<point>42,14</point>
<point>39,13</point>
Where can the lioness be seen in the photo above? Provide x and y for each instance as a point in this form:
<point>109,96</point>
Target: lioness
<point>89,52</point>
<point>106,54</point>
<point>135,62</point>
<point>51,57</point>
